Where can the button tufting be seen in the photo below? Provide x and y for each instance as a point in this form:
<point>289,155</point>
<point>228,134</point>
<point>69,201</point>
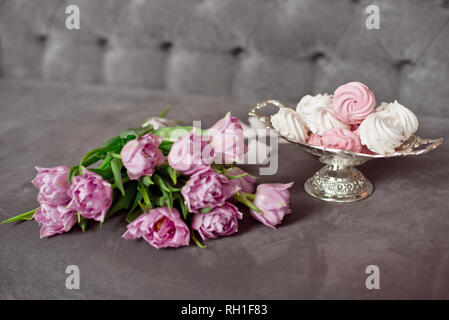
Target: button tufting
<point>317,56</point>
<point>401,64</point>
<point>248,49</point>
<point>102,42</point>
<point>237,51</point>
<point>166,45</point>
<point>42,38</point>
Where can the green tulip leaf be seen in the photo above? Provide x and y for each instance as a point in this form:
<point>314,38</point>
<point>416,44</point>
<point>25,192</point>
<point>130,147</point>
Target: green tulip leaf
<point>115,141</point>
<point>106,162</point>
<point>133,215</point>
<point>147,181</point>
<point>160,182</point>
<point>116,166</point>
<point>173,134</point>
<point>168,199</point>
<point>137,198</point>
<point>173,175</point>
<point>124,202</point>
<point>184,210</point>
<point>72,172</point>
<point>165,146</point>
<point>145,195</point>
<point>134,133</point>
<point>206,210</point>
<point>159,201</point>
<point>83,222</point>
<point>170,186</point>
<point>27,216</point>
<point>106,173</point>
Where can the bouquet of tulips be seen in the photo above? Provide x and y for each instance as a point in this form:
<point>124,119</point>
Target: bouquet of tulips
<point>172,182</point>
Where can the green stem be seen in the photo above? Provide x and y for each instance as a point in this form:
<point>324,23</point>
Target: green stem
<point>217,167</point>
<point>248,195</point>
<point>172,174</point>
<point>164,112</point>
<point>24,216</point>
<point>88,155</point>
<point>237,176</point>
<point>196,241</point>
<point>105,162</point>
<point>160,182</point>
<point>124,180</point>
<point>243,199</point>
<point>91,161</point>
<point>145,195</point>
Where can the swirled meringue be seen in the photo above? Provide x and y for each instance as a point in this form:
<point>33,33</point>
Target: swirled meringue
<point>387,128</point>
<point>353,102</point>
<point>289,124</point>
<point>339,138</point>
<point>407,120</point>
<point>318,114</point>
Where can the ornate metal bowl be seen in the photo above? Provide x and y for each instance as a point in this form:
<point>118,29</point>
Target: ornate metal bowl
<point>338,180</point>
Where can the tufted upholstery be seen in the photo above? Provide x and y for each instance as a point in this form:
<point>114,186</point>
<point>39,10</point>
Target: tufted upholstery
<point>245,49</point>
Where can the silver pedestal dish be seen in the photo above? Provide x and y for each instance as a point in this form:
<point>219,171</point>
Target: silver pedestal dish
<point>339,180</point>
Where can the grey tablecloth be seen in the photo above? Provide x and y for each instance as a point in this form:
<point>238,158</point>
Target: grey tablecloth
<point>321,251</point>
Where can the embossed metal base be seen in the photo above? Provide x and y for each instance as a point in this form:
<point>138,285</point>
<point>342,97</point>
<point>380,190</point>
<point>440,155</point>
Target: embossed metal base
<point>339,181</point>
<point>339,184</point>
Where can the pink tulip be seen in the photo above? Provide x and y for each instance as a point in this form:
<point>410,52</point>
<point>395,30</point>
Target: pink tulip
<point>53,185</point>
<point>228,140</point>
<point>91,195</point>
<point>273,200</point>
<point>160,227</point>
<point>219,222</point>
<point>207,189</point>
<point>191,153</point>
<point>54,219</point>
<point>246,183</point>
<point>142,155</point>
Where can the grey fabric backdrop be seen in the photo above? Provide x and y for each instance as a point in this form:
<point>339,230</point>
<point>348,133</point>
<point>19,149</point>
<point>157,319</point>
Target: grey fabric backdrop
<point>320,251</point>
<point>245,49</point>
<point>174,52</point>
